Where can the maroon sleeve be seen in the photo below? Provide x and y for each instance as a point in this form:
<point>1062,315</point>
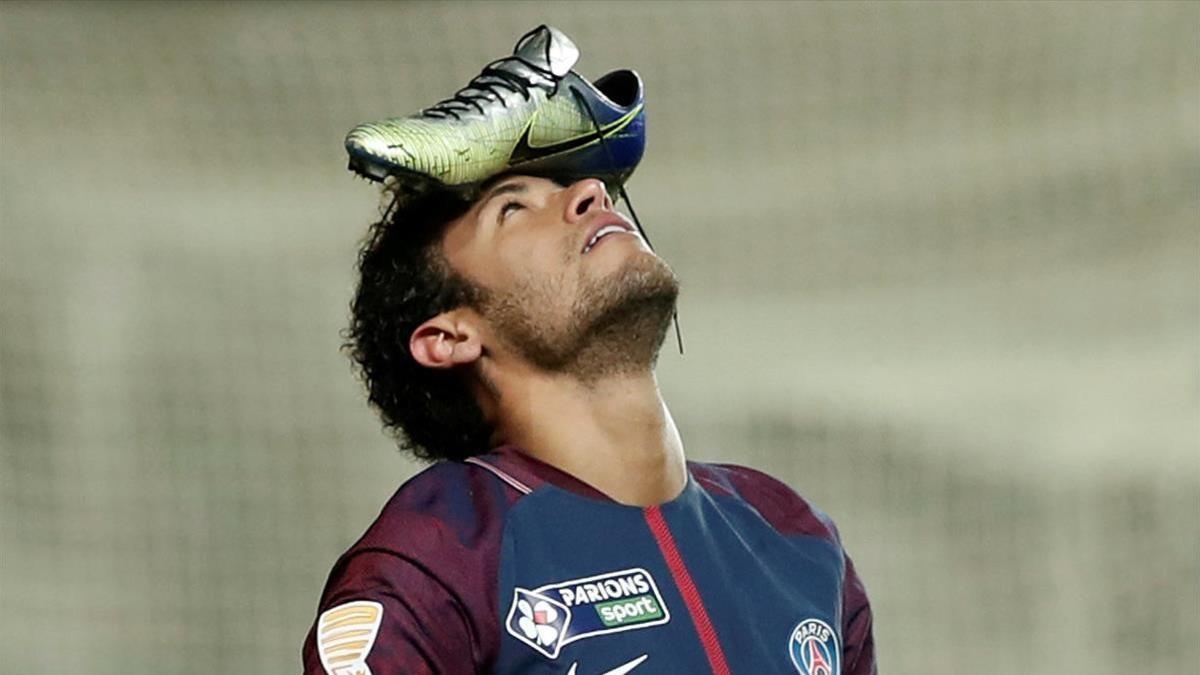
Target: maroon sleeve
<point>385,611</point>
<point>858,652</point>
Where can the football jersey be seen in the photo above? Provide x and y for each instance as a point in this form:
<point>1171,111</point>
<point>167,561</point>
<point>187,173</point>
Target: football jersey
<point>504,564</point>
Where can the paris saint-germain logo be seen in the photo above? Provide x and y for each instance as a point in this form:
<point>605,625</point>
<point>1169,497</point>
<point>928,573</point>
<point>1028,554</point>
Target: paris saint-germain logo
<point>814,648</point>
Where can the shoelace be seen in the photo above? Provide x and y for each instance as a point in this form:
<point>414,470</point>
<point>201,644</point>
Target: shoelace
<point>487,82</point>
<point>486,87</point>
<point>624,194</point>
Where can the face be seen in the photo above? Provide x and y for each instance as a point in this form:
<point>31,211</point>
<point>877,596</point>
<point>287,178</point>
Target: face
<point>568,283</point>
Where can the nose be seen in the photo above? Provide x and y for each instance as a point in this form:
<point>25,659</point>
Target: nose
<point>585,196</point>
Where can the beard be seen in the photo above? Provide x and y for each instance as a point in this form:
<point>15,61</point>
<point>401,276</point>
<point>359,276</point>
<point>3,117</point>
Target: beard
<point>614,326</point>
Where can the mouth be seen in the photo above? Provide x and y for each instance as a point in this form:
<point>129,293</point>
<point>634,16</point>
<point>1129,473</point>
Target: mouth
<point>605,226</point>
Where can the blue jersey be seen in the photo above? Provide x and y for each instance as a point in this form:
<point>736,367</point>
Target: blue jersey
<point>504,564</point>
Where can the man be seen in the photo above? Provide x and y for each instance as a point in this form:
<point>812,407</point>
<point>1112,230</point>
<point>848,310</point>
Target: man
<point>514,336</point>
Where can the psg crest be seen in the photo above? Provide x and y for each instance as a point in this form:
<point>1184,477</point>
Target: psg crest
<point>814,648</point>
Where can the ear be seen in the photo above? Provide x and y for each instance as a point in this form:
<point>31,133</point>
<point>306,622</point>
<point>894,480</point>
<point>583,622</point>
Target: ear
<point>445,341</point>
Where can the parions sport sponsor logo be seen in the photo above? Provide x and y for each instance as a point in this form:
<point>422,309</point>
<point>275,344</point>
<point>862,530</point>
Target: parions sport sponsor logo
<point>619,600</point>
<point>550,617</point>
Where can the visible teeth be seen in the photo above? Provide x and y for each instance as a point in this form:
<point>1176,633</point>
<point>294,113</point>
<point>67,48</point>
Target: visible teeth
<point>607,229</point>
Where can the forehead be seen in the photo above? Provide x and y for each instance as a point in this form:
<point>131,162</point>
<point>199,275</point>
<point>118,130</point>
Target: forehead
<point>464,228</point>
<point>508,183</point>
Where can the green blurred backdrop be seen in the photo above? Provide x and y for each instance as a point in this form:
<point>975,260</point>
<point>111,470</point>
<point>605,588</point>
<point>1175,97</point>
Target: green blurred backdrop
<point>941,267</point>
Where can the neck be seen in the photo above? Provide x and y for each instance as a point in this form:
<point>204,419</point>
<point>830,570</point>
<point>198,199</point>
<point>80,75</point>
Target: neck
<point>614,433</point>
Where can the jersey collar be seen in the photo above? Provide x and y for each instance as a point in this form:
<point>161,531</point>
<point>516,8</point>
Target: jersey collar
<point>534,473</point>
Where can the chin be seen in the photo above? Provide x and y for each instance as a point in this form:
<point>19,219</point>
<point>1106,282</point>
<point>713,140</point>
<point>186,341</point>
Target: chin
<point>615,323</point>
<point>637,298</point>
<point>622,323</point>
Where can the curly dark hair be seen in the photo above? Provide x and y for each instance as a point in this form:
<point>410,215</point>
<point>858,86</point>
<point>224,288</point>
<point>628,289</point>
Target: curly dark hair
<point>404,281</point>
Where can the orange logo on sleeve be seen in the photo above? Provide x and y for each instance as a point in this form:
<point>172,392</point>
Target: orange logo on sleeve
<point>345,635</point>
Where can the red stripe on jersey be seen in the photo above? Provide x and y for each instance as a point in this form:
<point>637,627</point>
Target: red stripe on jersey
<point>691,596</point>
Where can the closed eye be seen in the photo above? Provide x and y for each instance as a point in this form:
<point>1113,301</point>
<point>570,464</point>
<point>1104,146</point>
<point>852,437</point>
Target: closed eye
<point>509,207</point>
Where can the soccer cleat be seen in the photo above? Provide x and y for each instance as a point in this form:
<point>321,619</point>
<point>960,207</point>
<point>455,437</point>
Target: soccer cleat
<point>528,113</point>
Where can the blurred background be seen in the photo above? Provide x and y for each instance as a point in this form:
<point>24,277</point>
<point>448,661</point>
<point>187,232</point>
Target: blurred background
<point>941,268</point>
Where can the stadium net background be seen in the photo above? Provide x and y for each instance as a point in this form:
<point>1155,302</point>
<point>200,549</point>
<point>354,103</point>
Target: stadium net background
<point>941,275</point>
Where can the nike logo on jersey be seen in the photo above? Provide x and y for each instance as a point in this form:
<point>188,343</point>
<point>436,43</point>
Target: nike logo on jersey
<point>619,670</point>
<point>527,152</point>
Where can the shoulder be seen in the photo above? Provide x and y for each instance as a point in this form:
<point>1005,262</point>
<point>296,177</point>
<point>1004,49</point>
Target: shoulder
<point>778,504</point>
<point>418,579</point>
<point>444,520</point>
<point>448,506</point>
